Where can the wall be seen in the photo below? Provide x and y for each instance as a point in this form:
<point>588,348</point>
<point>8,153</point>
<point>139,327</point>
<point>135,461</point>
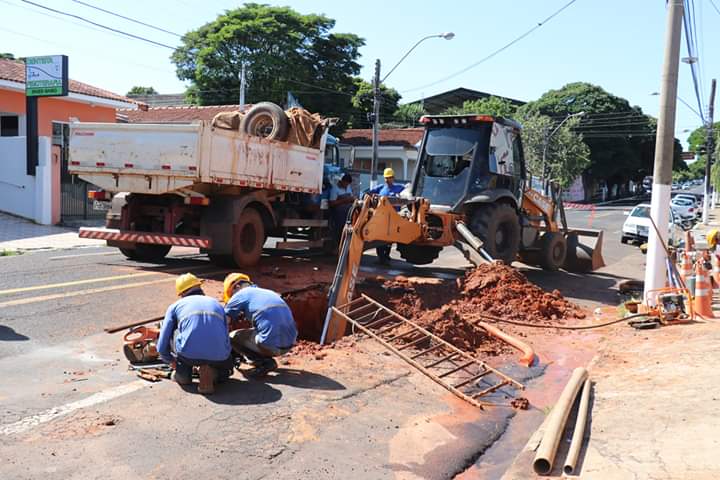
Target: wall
<point>55,109</point>
<point>21,194</point>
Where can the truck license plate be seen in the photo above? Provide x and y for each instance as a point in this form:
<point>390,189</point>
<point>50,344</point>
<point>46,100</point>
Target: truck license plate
<point>103,206</point>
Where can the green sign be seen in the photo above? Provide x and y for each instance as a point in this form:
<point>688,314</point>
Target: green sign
<point>46,76</point>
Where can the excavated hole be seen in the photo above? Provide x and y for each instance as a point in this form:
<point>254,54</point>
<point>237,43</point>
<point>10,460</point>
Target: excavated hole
<point>309,308</point>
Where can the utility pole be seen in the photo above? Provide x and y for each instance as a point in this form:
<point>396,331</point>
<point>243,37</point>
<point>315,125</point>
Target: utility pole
<point>241,100</point>
<point>375,125</point>
<point>655,273</point>
<point>709,148</point>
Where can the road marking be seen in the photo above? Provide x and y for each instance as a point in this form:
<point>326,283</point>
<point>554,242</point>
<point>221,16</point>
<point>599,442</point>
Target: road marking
<point>33,421</point>
<point>93,280</point>
<point>55,296</point>
<point>84,255</point>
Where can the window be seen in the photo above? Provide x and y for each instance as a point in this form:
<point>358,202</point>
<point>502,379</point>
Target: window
<point>9,126</point>
<point>641,212</point>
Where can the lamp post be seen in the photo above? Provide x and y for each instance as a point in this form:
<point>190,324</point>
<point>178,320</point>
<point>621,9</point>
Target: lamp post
<point>547,142</point>
<point>376,101</point>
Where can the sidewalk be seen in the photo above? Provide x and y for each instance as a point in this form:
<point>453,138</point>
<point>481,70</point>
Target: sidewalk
<point>18,234</point>
<point>654,412</point>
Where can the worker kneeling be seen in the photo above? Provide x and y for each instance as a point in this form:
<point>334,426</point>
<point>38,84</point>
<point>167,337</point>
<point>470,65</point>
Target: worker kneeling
<point>194,334</point>
<point>273,331</point>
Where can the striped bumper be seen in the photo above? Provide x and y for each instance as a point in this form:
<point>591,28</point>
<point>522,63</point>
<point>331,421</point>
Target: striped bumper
<point>145,237</point>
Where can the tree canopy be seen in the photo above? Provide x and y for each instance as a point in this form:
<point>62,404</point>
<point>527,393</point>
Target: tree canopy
<point>408,114</point>
<point>283,51</point>
<point>492,105</point>
<point>362,103</point>
<point>137,90</point>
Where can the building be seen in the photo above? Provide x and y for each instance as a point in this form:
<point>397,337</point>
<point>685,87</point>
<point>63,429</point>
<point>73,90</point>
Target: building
<point>160,99</point>
<point>397,149</point>
<point>437,104</point>
<point>173,114</point>
<point>51,194</point>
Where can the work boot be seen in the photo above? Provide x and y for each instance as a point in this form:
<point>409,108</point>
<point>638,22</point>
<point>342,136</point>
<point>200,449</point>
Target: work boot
<point>263,368</point>
<point>207,380</point>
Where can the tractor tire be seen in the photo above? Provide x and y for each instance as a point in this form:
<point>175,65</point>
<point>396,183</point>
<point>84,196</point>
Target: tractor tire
<point>498,226</point>
<point>266,120</point>
<point>145,252</point>
<point>418,255</point>
<point>553,250</point>
<point>248,238</point>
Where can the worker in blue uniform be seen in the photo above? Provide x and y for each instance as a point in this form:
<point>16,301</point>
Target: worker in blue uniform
<point>194,333</point>
<point>387,189</point>
<point>273,331</point>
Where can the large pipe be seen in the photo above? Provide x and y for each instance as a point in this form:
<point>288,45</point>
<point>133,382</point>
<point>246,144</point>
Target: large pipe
<point>528,356</point>
<point>579,432</point>
<point>556,423</point>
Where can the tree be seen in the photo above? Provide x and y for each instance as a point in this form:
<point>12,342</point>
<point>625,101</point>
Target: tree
<point>283,50</point>
<point>142,91</point>
<point>567,154</point>
<point>362,103</point>
<point>8,56</point>
<point>409,114</point>
<point>500,107</point>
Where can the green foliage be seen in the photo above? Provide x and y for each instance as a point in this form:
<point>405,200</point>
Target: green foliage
<point>362,103</point>
<point>567,155</point>
<point>409,114</point>
<point>495,106</point>
<point>137,90</point>
<point>7,56</point>
<point>698,137</point>
<point>283,51</point>
<point>715,175</point>
<point>693,171</point>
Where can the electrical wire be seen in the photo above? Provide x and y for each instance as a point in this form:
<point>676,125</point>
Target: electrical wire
<point>560,327</point>
<point>83,19</point>
<point>128,18</point>
<point>494,53</point>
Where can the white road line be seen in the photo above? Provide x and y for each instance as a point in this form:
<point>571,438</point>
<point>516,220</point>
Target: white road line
<point>33,421</point>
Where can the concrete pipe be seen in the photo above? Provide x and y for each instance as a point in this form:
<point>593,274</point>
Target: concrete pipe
<point>528,356</point>
<point>556,423</point>
<point>579,432</point>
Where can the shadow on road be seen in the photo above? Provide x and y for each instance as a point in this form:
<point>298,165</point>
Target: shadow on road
<point>303,379</point>
<point>594,287</point>
<point>238,392</point>
<point>7,334</point>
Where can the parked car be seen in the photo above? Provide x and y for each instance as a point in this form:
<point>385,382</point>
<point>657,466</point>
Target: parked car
<point>684,208</point>
<point>637,226</point>
<point>695,199</point>
<point>675,186</point>
<point>686,186</point>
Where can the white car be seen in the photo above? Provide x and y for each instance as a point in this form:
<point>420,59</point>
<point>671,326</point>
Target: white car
<point>637,226</point>
<point>696,201</point>
<point>684,207</point>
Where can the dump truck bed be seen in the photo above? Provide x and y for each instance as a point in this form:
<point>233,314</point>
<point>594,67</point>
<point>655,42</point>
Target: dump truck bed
<point>165,158</point>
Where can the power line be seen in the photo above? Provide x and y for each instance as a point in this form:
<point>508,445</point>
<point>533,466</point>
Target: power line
<point>499,50</point>
<point>715,6</point>
<point>78,17</point>
<point>128,18</point>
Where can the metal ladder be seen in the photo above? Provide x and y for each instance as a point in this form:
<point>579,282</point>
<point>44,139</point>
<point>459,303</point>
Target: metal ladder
<point>458,372</point>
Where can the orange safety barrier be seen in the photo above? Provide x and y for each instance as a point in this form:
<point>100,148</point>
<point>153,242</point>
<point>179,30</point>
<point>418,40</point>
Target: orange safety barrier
<point>703,292</point>
<point>528,356</point>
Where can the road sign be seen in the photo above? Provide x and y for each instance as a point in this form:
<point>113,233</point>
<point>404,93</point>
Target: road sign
<point>46,76</point>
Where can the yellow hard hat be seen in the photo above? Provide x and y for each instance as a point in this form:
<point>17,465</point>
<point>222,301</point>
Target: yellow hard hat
<point>230,282</point>
<point>389,172</point>
<point>712,237</point>
<point>185,282</point>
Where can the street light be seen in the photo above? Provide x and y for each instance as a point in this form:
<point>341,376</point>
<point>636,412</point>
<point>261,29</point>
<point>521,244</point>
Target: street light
<point>376,101</point>
<point>547,141</point>
<point>654,94</point>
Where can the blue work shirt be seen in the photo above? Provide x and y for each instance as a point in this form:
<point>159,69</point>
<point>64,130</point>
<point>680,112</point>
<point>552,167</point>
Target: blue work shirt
<point>386,190</point>
<point>269,314</point>
<point>202,330</point>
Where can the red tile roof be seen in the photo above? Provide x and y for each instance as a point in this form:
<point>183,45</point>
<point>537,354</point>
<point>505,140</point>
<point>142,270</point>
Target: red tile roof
<point>14,71</point>
<point>178,114</point>
<point>403,137</point>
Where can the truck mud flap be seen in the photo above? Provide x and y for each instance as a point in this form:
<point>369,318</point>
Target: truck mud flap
<point>584,250</point>
<point>129,237</point>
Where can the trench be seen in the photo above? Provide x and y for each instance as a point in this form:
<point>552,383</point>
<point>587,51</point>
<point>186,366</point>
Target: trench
<point>309,306</point>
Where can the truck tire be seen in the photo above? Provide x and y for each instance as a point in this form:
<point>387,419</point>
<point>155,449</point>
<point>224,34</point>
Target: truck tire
<point>221,260</point>
<point>417,254</point>
<point>248,238</point>
<point>498,226</point>
<point>145,252</point>
<point>266,120</point>
<point>553,250</point>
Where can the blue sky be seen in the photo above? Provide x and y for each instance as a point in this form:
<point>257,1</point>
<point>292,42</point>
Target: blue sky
<point>616,44</point>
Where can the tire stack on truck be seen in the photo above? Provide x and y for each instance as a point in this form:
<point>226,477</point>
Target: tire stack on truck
<point>222,186</point>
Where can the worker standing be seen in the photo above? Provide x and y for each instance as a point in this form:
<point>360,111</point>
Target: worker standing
<point>273,331</point>
<point>194,334</point>
<point>341,200</point>
<point>387,189</point>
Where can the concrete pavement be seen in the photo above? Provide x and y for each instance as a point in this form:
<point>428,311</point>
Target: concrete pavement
<point>18,234</point>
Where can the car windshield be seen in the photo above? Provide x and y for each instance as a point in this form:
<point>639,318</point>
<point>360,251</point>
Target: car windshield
<point>682,202</point>
<point>641,212</point>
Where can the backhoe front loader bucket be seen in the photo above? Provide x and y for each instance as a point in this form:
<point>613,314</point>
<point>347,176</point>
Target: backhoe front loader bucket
<point>584,250</point>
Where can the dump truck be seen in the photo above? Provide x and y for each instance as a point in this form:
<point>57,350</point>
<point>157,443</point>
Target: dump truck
<point>222,187</point>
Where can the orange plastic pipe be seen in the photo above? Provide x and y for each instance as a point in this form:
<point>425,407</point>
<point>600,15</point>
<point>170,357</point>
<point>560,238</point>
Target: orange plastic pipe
<point>528,356</point>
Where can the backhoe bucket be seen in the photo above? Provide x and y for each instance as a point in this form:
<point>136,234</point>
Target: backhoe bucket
<point>584,250</point>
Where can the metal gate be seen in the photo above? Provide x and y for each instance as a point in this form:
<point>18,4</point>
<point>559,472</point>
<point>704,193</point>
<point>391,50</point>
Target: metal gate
<point>74,204</point>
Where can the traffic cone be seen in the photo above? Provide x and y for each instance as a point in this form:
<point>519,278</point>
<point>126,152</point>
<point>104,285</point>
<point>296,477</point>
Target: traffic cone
<point>686,269</point>
<point>689,242</point>
<point>715,259</point>
<point>703,292</point>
